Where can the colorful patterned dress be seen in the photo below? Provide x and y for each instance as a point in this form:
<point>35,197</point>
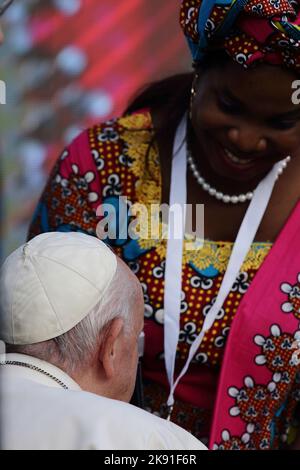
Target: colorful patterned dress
<point>111,160</point>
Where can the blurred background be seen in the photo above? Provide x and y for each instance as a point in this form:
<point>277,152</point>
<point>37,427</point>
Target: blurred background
<point>68,64</point>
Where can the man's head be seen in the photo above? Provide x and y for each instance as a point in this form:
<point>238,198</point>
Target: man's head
<point>67,299</point>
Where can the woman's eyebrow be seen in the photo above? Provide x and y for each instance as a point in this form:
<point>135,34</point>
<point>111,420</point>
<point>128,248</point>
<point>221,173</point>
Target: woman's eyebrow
<point>230,95</point>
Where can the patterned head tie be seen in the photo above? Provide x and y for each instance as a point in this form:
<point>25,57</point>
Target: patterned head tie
<point>250,31</point>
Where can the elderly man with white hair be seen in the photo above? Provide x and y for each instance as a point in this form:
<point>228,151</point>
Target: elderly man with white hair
<point>72,313</point>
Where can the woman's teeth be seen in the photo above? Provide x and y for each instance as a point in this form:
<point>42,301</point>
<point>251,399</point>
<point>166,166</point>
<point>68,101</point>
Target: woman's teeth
<point>236,159</point>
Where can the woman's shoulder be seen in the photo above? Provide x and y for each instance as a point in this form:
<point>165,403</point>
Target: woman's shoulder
<point>109,137</point>
<point>114,133</point>
<point>140,120</point>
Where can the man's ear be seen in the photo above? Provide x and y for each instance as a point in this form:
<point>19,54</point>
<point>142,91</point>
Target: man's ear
<point>109,347</point>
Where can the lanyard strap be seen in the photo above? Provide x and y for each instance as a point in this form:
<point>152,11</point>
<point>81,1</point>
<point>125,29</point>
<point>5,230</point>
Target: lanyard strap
<point>173,269</point>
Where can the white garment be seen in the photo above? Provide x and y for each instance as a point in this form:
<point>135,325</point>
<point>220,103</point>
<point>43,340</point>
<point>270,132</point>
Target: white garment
<point>37,413</point>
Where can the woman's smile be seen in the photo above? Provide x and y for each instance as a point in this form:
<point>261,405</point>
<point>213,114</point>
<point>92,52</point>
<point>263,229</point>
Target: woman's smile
<point>240,163</point>
<point>231,166</point>
<point>232,157</point>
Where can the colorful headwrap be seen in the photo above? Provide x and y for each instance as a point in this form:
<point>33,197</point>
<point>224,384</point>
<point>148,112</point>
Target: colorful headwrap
<point>250,31</point>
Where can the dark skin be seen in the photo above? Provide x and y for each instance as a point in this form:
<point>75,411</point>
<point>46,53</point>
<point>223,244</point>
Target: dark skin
<point>250,112</point>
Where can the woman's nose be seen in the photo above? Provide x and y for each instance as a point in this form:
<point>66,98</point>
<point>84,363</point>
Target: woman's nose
<point>247,139</point>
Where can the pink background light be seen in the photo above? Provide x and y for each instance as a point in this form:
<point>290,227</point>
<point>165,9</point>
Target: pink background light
<point>70,64</point>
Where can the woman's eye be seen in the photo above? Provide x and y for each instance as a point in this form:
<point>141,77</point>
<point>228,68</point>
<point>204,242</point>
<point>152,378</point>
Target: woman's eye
<point>283,125</point>
<point>227,106</point>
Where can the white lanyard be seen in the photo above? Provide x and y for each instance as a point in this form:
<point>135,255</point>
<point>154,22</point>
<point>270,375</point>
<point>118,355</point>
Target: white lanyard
<point>173,269</point>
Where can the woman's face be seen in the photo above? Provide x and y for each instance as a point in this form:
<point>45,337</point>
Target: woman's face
<point>244,120</point>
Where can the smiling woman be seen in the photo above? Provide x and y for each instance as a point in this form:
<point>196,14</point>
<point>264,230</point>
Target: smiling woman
<point>240,157</point>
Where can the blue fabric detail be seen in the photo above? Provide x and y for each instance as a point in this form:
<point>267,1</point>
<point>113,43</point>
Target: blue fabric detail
<point>119,222</point>
<point>194,48</point>
<point>131,247</point>
<point>208,272</point>
<point>273,424</point>
<point>224,2</point>
<point>203,15</point>
<point>236,6</point>
<point>292,30</point>
<point>132,250</point>
<point>230,18</point>
<point>69,228</point>
<point>43,212</point>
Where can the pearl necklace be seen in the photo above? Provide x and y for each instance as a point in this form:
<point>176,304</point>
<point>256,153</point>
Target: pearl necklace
<point>218,194</point>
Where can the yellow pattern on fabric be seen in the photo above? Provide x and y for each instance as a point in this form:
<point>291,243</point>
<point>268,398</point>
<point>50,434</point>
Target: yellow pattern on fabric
<point>137,134</point>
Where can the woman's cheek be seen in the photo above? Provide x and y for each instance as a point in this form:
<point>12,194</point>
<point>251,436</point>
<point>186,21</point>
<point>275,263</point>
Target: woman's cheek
<point>291,141</point>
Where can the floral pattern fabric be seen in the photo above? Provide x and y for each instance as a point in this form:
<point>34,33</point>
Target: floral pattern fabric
<point>267,410</point>
<point>114,159</point>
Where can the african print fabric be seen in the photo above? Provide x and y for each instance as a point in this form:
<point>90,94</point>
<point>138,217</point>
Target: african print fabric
<point>112,160</point>
<point>250,31</point>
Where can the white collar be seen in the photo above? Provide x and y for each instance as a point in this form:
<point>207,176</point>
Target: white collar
<point>35,375</point>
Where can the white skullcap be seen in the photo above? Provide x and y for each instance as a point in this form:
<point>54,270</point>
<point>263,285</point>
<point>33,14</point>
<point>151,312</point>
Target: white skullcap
<point>51,283</point>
